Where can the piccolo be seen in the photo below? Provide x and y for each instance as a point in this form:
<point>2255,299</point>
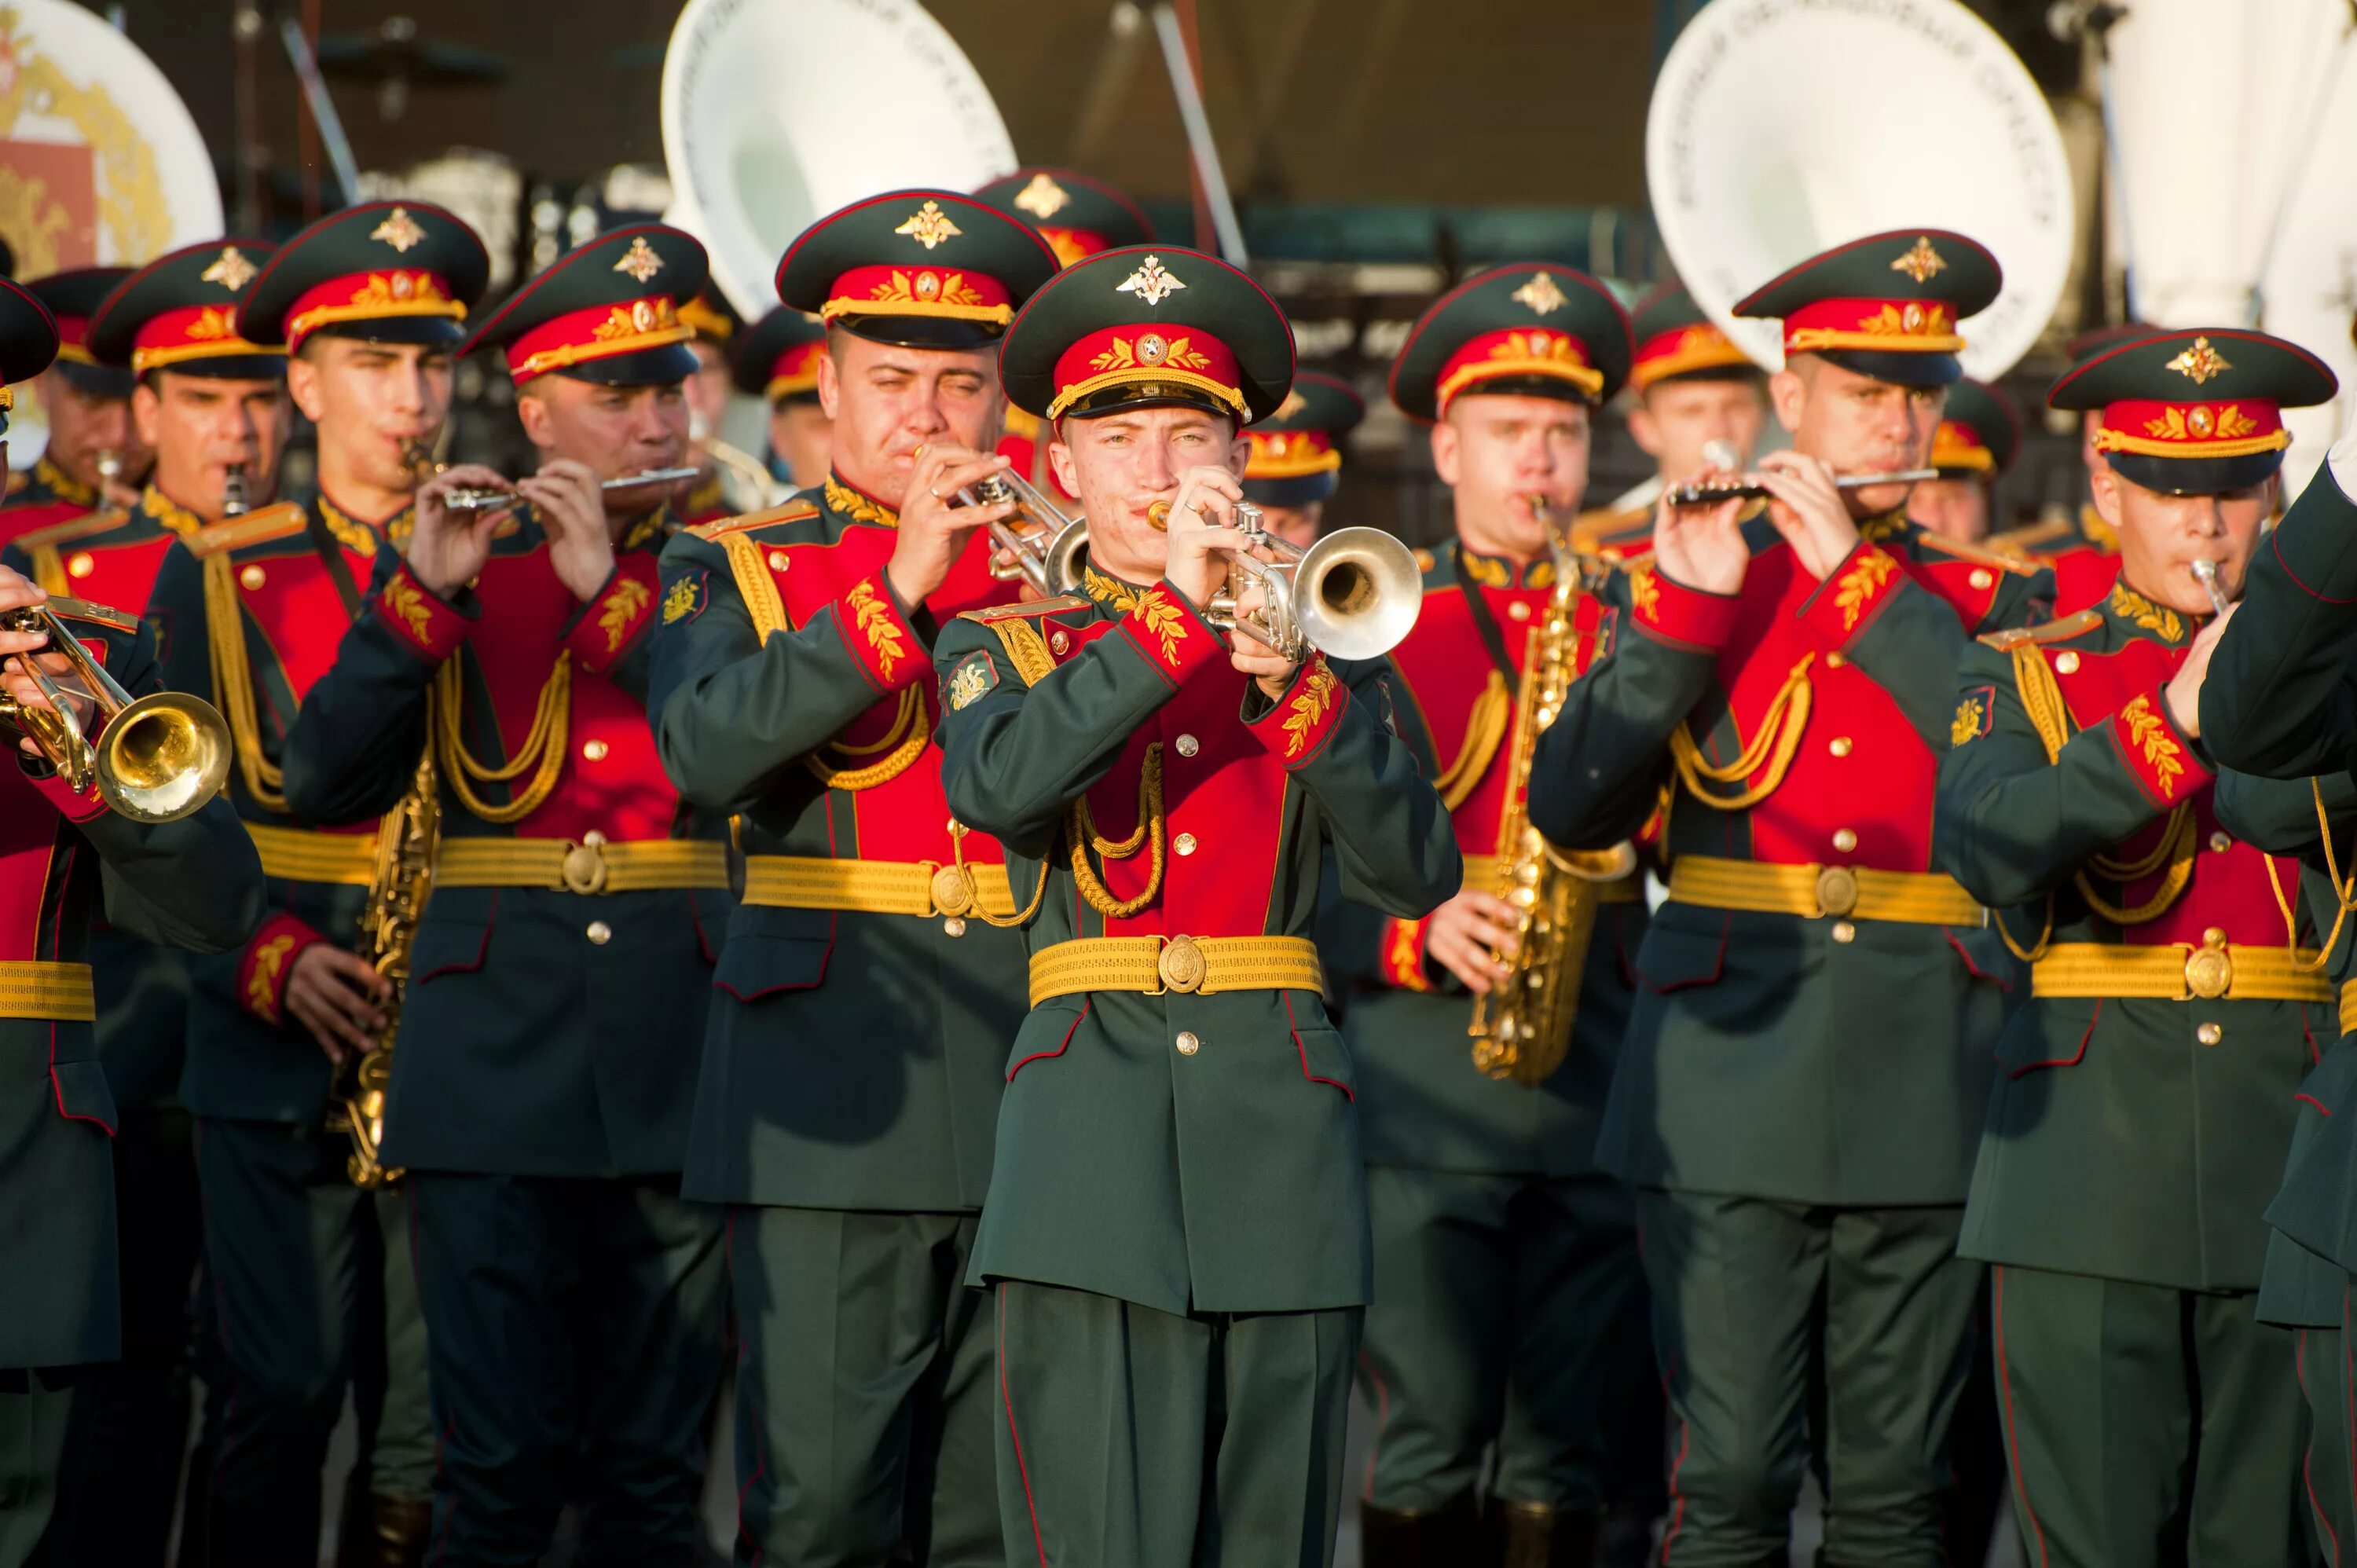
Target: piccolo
<point>626,488</point>
<point>2206,574</point>
<point>1709,492</point>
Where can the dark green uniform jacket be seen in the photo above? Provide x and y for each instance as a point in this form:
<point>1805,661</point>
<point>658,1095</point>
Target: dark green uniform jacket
<point>1421,1100</point>
<point>1791,1054</point>
<point>2130,1136</point>
<point>1187,1152</point>
<point>856,1045</point>
<point>64,860</point>
<point>553,1024</point>
<point>247,613</point>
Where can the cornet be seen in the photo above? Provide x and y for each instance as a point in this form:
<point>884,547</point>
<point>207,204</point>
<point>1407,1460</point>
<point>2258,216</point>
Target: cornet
<point>1352,594</point>
<point>157,759</point>
<point>1039,542</point>
<point>2206,574</point>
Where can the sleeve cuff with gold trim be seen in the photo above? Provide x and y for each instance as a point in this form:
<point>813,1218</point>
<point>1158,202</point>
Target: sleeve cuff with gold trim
<point>427,623</point>
<point>880,640</point>
<point>1686,617</point>
<point>268,959</point>
<point>1852,595</point>
<point>1297,726</point>
<point>606,628</point>
<point>1171,633</point>
<point>2167,766</point>
<point>1401,962</point>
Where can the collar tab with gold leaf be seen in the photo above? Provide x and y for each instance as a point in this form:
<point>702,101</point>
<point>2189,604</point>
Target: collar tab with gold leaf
<point>1110,591</point>
<point>859,506</point>
<point>61,485</point>
<point>2125,604</point>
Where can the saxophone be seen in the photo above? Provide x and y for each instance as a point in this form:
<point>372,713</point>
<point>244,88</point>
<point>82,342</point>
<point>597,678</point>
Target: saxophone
<point>405,842</point>
<point>1521,1028</point>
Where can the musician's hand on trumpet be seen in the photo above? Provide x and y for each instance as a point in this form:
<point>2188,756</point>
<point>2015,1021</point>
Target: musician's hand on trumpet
<point>1808,510</point>
<point>1203,543</point>
<point>20,592</point>
<point>447,549</point>
<point>2183,692</point>
<point>934,527</point>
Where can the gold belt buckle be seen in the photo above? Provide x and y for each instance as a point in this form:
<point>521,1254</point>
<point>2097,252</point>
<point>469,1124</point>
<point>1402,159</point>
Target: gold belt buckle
<point>585,867</point>
<point>2209,968</point>
<point>951,893</point>
<point>1837,890</point>
<point>1181,965</point>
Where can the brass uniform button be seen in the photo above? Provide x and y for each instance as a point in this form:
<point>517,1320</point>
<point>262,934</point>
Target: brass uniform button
<point>1188,746</point>
<point>2208,1033</point>
<point>2067,662</point>
<point>2220,843</point>
<point>954,927</point>
<point>1844,840</point>
<point>1839,746</point>
<point>1058,643</point>
<point>594,839</point>
<point>251,578</point>
<point>1981,578</point>
<point>1844,933</point>
<point>1187,1044</point>
<point>1518,610</point>
<point>2215,937</point>
<point>779,560</point>
<point>599,933</point>
<point>1184,843</point>
<point>81,565</point>
<point>594,750</point>
<point>1835,662</point>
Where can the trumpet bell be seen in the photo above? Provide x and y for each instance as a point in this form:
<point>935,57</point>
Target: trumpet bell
<point>163,757</point>
<point>1356,594</point>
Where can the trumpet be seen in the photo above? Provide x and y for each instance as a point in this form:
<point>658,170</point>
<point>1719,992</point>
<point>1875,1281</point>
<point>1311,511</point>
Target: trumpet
<point>469,499</point>
<point>156,758</point>
<point>1709,492</point>
<point>1040,543</point>
<point>2206,574</point>
<point>1352,594</point>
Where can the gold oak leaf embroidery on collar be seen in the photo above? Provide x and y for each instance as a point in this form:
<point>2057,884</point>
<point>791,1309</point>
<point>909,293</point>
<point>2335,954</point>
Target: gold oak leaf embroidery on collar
<point>2131,605</point>
<point>858,508</point>
<point>1110,590</point>
<point>1307,707</point>
<point>1859,584</point>
<point>622,606</point>
<point>2161,752</point>
<point>873,616</point>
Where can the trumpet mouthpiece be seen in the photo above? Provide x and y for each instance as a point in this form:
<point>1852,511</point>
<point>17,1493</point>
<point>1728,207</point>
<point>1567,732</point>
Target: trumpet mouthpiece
<point>1159,514</point>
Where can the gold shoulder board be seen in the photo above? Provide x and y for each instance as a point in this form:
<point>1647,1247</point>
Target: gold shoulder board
<point>73,528</point>
<point>721,527</point>
<point>272,522</point>
<point>2060,630</point>
<point>1024,610</point>
<point>97,615</point>
<point>1978,554</point>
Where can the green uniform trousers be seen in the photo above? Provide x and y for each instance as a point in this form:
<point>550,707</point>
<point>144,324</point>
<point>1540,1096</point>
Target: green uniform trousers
<point>1132,1438</point>
<point>294,1264</point>
<point>575,1330</point>
<point>2148,1425</point>
<point>400,1455</point>
<point>1507,1310</point>
<point>1788,1334</point>
<point>864,1393</point>
<point>2329,1473</point>
<point>41,1475</point>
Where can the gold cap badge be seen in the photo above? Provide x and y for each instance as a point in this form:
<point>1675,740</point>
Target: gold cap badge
<point>1541,295</point>
<point>1921,263</point>
<point>399,230</point>
<point>1043,197</point>
<point>1294,404</point>
<point>1149,283</point>
<point>929,225</point>
<point>230,270</point>
<point>640,261</point>
<point>2200,361</point>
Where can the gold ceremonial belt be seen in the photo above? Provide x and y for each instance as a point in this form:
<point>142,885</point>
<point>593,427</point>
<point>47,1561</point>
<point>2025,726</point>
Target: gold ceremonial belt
<point>1921,898</point>
<point>1481,874</point>
<point>2349,1006</point>
<point>919,887</point>
<point>593,865</point>
<point>1154,965</point>
<point>59,992</point>
<point>303,855</point>
<point>2180,972</point>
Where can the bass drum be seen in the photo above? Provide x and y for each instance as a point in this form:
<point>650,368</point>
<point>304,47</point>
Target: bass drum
<point>756,153</point>
<point>1778,131</point>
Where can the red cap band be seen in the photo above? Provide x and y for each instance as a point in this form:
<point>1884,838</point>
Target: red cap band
<point>2157,429</point>
<point>190,332</point>
<point>960,295</point>
<point>1887,326</point>
<point>1960,446</point>
<point>1675,353</point>
<point>1144,356</point>
<point>796,371</point>
<point>370,296</point>
<point>600,332</point>
<point>1517,351</point>
<point>1290,454</point>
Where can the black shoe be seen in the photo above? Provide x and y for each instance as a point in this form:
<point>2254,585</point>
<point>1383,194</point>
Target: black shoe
<point>386,1532</point>
<point>1434,1538</point>
<point>1538,1535</point>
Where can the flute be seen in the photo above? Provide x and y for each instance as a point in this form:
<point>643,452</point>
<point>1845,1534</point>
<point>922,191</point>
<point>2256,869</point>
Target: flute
<point>486,498</point>
<point>1710,492</point>
<point>2206,574</point>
